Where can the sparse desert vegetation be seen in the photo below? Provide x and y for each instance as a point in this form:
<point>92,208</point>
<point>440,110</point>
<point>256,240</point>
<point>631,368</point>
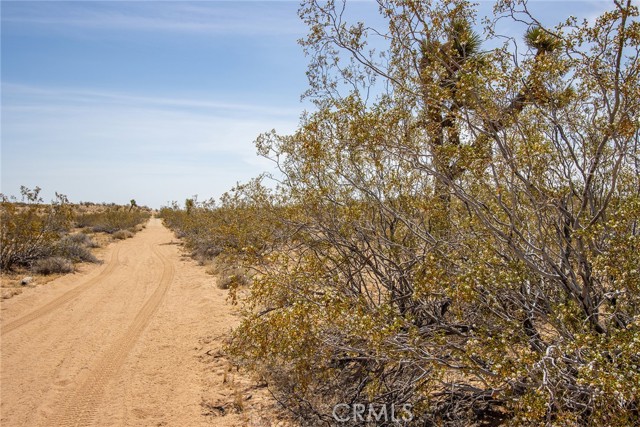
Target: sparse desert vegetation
<point>49,238</point>
<point>466,243</point>
<point>112,219</point>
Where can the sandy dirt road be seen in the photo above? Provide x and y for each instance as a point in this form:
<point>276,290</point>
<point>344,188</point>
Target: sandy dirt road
<point>134,341</point>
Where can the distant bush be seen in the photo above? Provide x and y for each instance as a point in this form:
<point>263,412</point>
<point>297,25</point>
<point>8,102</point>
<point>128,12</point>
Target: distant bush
<point>122,234</point>
<point>245,225</point>
<point>52,265</point>
<point>112,219</point>
<point>82,239</point>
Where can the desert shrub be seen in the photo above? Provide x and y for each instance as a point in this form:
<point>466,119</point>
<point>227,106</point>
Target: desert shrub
<point>30,230</point>
<point>122,234</point>
<point>81,239</point>
<point>466,243</point>
<point>76,247</point>
<point>52,265</point>
<point>233,278</point>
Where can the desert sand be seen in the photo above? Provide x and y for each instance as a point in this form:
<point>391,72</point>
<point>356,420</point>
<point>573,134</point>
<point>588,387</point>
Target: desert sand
<point>134,341</point>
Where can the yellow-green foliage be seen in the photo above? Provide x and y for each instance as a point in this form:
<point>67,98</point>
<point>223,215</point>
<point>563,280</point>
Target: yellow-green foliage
<point>30,230</point>
<point>244,225</point>
<point>467,242</point>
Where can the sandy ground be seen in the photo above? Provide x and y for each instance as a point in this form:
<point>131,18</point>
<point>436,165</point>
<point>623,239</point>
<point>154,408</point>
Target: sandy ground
<point>135,341</point>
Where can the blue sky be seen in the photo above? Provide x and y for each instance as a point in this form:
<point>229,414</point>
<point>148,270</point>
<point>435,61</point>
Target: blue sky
<point>108,101</point>
<point>157,101</point>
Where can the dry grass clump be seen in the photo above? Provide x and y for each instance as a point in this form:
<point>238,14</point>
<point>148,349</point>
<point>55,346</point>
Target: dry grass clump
<point>203,250</point>
<point>76,247</point>
<point>52,265</point>
<point>122,234</point>
<point>235,278</point>
<point>229,273</point>
<point>82,239</point>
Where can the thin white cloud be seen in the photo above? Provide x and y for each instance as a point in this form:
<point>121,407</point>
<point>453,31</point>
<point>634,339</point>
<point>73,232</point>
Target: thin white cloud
<point>249,18</point>
<point>53,116</point>
<point>55,96</point>
<point>90,142</point>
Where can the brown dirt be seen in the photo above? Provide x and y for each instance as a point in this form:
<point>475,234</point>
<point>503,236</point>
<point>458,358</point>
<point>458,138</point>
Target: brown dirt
<point>136,341</point>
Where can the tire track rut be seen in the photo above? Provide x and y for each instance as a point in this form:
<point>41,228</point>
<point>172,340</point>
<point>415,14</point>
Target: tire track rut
<point>64,298</point>
<point>79,408</point>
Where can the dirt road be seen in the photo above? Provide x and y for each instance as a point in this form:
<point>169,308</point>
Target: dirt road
<point>132,342</point>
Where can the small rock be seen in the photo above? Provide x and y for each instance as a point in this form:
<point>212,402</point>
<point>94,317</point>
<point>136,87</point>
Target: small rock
<point>26,281</point>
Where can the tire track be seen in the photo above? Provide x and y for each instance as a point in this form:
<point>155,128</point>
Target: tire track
<point>79,407</point>
<point>64,298</point>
